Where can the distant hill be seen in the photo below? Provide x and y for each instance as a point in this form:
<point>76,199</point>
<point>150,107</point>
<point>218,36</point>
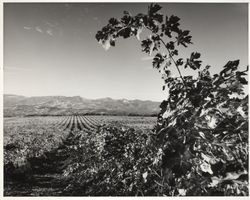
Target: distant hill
<point>15,105</point>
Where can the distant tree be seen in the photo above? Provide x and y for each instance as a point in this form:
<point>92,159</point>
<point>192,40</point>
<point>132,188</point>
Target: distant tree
<point>202,127</point>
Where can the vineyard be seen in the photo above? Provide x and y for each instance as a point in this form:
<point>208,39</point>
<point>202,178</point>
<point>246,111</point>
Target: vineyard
<point>198,145</point>
<point>43,154</point>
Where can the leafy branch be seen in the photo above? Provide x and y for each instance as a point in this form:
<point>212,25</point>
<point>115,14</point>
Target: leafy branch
<point>202,129</point>
<point>153,21</point>
<point>169,53</point>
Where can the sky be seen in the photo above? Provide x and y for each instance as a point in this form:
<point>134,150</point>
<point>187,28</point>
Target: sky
<point>50,48</point>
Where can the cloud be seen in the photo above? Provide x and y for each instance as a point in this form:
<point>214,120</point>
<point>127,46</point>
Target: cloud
<point>147,58</point>
<point>49,31</point>
<point>27,27</point>
<point>50,24</point>
<point>38,29</point>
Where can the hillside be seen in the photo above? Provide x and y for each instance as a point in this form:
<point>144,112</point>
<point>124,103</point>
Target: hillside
<point>15,105</point>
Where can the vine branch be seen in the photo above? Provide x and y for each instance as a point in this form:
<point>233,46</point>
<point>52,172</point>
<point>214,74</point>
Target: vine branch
<point>170,56</point>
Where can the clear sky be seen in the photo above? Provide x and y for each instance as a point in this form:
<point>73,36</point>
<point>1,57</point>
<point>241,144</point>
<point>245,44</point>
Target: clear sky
<point>50,49</point>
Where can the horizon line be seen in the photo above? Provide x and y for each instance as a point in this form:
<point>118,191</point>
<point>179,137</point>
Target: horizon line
<point>83,97</point>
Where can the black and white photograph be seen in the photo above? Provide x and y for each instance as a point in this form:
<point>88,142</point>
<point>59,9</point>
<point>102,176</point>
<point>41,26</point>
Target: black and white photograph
<point>125,99</point>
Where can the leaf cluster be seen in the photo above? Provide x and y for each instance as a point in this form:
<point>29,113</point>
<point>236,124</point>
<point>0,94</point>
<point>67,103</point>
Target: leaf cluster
<point>204,131</point>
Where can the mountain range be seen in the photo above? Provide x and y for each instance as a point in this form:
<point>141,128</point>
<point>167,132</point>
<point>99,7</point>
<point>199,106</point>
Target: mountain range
<point>16,105</point>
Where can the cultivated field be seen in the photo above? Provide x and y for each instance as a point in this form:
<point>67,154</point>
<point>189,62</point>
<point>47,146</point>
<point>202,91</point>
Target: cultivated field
<point>41,153</point>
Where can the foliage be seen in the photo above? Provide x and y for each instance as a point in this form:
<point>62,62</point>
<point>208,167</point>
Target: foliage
<point>202,128</point>
<point>113,162</point>
<point>29,137</point>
